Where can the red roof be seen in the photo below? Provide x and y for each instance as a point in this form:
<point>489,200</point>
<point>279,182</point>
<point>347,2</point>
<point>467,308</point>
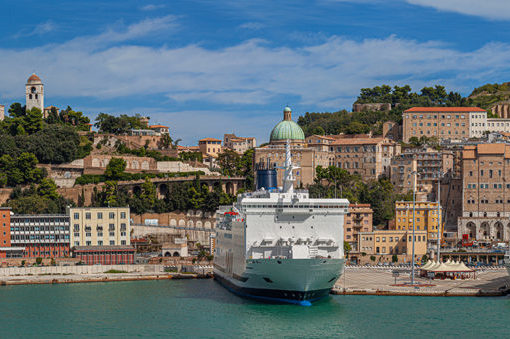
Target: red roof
<point>209,139</point>
<point>34,78</point>
<point>158,126</point>
<point>445,109</point>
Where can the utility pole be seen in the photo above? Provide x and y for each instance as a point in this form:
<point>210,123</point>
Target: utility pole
<point>414,219</point>
<point>439,215</point>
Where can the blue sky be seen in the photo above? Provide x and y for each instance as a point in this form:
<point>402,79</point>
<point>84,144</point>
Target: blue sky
<point>205,68</point>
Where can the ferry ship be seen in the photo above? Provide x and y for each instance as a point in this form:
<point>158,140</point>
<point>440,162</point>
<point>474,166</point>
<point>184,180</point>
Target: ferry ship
<point>279,244</point>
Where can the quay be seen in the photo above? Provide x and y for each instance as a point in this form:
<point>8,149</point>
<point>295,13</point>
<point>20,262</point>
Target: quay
<point>94,273</point>
<point>359,280</point>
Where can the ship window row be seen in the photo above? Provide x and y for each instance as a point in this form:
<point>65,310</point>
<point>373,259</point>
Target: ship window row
<point>293,206</point>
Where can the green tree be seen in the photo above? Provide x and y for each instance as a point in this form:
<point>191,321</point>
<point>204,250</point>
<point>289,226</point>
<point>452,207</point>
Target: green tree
<point>33,120</point>
<point>48,189</point>
<point>16,110</point>
<point>347,248</point>
<point>229,162</point>
<point>115,169</point>
<point>148,195</point>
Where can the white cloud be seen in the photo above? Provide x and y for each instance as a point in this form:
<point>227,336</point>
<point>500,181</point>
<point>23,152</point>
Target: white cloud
<point>40,29</point>
<point>489,9</point>
<point>252,26</point>
<point>324,75</point>
<point>151,7</point>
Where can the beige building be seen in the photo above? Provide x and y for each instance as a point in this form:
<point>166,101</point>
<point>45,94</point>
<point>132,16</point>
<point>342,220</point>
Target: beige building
<point>210,147</point>
<point>100,226</point>
<point>426,217</point>
<point>428,162</point>
<point>369,157</point>
<point>444,122</point>
<point>239,144</point>
<point>358,219</point>
<point>306,158</point>
<point>486,193</point>
<point>389,242</point>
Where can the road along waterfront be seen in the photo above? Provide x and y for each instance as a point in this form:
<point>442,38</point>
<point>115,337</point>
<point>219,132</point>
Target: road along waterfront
<point>201,308</point>
<point>493,281</point>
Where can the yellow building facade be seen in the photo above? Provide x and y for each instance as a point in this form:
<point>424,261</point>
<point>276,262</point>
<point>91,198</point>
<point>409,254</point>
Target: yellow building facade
<point>426,217</point>
<point>389,242</point>
<point>100,226</point>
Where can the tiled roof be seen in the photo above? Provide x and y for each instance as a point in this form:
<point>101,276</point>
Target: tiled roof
<point>356,141</point>
<point>158,126</point>
<point>209,139</point>
<point>445,109</point>
<point>491,148</point>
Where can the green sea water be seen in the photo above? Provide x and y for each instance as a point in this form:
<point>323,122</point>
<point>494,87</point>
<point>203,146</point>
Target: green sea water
<point>202,308</point>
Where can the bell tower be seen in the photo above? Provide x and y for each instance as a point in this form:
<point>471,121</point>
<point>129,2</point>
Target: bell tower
<point>34,93</point>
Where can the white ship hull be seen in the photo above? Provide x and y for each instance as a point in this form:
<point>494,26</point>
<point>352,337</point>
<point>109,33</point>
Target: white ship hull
<point>298,281</point>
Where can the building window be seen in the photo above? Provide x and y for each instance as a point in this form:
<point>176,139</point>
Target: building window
<point>100,215</point>
<point>100,242</point>
<point>123,215</point>
<point>112,215</point>
<point>112,242</point>
<point>87,215</point>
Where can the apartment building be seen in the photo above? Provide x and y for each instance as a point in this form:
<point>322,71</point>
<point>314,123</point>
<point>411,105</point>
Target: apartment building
<point>43,235</point>
<point>444,122</point>
<point>5,226</point>
<point>389,242</point>
<point>369,157</point>
<point>358,219</point>
<point>100,226</point>
<point>239,144</point>
<point>210,147</point>
<point>486,192</point>
<point>428,163</point>
<point>426,217</point>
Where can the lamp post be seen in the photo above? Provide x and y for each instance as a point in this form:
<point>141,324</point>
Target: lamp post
<point>415,173</point>
<point>439,216</point>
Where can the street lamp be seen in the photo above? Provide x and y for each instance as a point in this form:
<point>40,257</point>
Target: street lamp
<point>439,216</point>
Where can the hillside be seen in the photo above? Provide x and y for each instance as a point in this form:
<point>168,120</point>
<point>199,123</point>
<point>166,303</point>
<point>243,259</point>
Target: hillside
<point>488,95</point>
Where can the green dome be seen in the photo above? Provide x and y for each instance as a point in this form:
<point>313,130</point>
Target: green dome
<point>287,129</point>
<point>287,109</point>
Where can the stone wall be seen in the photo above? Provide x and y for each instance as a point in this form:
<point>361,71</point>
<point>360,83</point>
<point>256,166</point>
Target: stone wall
<point>79,269</point>
<point>179,166</point>
<point>371,107</point>
<point>191,219</point>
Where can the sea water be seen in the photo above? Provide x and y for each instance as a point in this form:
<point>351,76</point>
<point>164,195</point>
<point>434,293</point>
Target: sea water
<point>202,308</point>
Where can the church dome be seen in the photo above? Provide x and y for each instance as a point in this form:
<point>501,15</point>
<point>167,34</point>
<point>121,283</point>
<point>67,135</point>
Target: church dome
<point>287,129</point>
<point>34,79</point>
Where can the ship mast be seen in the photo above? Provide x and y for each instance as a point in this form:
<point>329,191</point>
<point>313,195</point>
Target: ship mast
<point>288,177</point>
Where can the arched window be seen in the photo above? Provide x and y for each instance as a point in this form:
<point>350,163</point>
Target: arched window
<point>30,96</point>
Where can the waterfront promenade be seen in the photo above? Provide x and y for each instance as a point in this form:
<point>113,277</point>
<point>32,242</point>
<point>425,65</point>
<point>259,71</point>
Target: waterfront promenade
<point>92,273</point>
<point>380,281</point>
